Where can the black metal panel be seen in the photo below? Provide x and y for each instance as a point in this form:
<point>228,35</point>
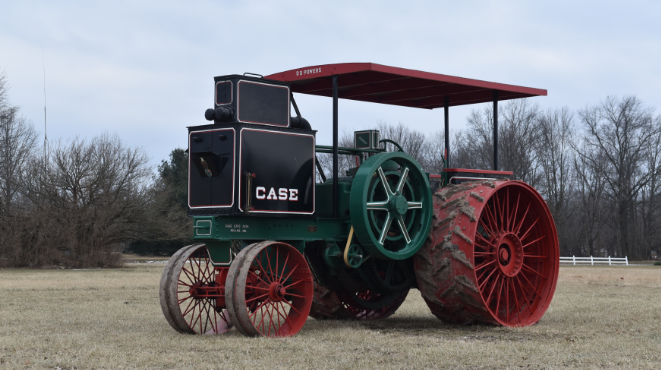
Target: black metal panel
<point>284,168</point>
<point>446,115</point>
<point>335,146</point>
<point>224,92</point>
<point>495,130</point>
<point>211,168</point>
<point>263,103</point>
<point>209,195</point>
<point>250,100</point>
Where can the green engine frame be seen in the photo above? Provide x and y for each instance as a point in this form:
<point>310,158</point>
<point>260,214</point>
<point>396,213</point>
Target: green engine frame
<point>384,208</point>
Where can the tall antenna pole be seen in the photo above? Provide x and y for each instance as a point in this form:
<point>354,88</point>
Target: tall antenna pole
<point>45,126</point>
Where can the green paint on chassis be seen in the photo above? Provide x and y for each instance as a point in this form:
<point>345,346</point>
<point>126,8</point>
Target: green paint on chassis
<point>364,201</point>
<point>218,232</point>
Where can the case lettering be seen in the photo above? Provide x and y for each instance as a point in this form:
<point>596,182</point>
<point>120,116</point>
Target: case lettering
<point>282,194</point>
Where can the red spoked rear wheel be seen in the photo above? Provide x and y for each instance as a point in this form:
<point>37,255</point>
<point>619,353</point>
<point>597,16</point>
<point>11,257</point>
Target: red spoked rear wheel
<point>492,257</point>
<point>269,290</point>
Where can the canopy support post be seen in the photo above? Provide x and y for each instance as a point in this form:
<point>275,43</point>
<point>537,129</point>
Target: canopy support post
<point>335,155</point>
<point>495,130</point>
<point>446,108</point>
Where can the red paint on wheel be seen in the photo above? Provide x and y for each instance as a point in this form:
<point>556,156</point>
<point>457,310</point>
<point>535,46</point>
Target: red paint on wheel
<point>492,255</point>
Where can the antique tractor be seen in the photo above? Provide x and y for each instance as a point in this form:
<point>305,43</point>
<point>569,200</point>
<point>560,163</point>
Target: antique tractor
<point>276,245</point>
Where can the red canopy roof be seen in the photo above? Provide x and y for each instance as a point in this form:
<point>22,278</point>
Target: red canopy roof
<point>397,86</point>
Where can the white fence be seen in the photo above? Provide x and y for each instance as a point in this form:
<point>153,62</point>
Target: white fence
<point>595,260</point>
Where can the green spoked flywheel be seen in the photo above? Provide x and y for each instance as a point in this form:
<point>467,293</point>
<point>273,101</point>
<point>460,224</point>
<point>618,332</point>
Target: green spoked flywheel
<point>391,205</point>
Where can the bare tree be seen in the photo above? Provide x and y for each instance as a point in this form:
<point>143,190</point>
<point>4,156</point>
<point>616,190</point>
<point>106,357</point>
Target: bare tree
<point>425,150</point>
<point>168,208</point>
<point>95,194</point>
<point>467,152</point>
<point>414,143</point>
<point>650,197</point>
<point>622,130</point>
<point>17,143</point>
<point>517,130</point>
<point>555,156</point>
<point>345,162</point>
<point>589,168</point>
<point>4,88</point>
<point>432,160</point>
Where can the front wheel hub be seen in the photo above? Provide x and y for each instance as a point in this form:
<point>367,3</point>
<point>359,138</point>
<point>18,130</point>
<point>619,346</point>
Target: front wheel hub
<point>277,291</point>
<point>194,291</point>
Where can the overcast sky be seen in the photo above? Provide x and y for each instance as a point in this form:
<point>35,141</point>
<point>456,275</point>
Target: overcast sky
<point>144,69</point>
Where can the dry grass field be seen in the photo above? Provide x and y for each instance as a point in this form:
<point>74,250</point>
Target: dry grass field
<point>600,317</point>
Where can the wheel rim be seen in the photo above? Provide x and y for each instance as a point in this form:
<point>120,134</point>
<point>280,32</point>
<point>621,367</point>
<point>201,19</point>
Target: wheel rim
<point>191,293</point>
<point>514,253</point>
<point>272,292</point>
<point>391,205</point>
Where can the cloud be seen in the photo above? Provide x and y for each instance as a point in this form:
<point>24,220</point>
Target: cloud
<point>145,69</point>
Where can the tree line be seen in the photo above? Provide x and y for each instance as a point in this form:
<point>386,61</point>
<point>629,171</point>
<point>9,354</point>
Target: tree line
<point>78,202</point>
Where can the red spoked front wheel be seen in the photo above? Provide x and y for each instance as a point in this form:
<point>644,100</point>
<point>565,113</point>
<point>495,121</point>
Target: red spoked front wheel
<point>492,257</point>
<point>269,290</point>
<point>191,293</point>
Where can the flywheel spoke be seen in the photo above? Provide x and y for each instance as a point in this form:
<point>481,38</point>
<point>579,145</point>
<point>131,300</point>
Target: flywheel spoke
<point>386,227</point>
<point>402,228</point>
<point>402,181</point>
<point>384,181</point>
<point>414,205</point>
<point>377,206</point>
